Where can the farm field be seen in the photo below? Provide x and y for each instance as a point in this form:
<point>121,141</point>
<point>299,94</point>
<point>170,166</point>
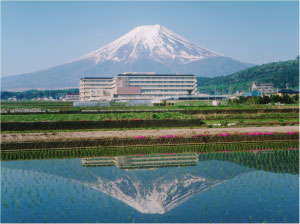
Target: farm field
<point>42,118</point>
<point>149,164</point>
<point>65,106</point>
<point>147,116</point>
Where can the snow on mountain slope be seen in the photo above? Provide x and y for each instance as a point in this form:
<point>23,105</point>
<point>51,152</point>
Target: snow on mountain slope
<point>158,198</point>
<point>151,48</point>
<point>156,41</point>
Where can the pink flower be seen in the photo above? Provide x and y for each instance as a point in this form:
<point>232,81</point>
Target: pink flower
<point>139,137</point>
<point>292,132</point>
<point>139,154</point>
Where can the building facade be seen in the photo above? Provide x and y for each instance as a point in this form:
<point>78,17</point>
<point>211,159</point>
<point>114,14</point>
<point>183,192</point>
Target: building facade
<point>72,97</point>
<point>96,88</point>
<point>264,88</point>
<point>289,92</point>
<point>128,86</point>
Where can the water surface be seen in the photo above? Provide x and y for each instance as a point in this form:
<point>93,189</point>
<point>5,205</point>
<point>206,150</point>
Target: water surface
<point>218,187</point>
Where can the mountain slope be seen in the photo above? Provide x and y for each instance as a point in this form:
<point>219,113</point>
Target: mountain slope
<point>150,48</point>
<point>278,73</point>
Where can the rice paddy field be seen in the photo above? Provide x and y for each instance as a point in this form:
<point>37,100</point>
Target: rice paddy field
<point>231,187</point>
<point>185,163</point>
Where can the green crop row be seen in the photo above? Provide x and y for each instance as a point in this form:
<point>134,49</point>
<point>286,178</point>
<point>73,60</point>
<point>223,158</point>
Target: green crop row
<point>118,151</point>
<point>94,117</point>
<point>139,115</point>
<point>145,141</point>
<point>75,125</point>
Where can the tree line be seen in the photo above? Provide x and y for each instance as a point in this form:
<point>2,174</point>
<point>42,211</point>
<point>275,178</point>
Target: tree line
<point>36,94</point>
<point>285,99</point>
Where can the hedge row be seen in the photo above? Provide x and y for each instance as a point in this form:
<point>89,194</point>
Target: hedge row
<point>209,111</point>
<point>107,151</point>
<point>73,125</point>
<point>241,111</point>
<point>145,141</point>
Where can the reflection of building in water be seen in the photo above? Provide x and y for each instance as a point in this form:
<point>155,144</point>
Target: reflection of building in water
<point>143,161</point>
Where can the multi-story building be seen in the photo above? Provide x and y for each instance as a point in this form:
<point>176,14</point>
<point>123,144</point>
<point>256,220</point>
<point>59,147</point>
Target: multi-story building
<point>96,88</point>
<point>137,86</point>
<point>263,88</point>
<point>143,161</point>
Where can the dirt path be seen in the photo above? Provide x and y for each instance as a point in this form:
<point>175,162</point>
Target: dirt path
<point>54,136</point>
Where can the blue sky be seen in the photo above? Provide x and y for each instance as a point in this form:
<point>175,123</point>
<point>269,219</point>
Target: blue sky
<point>39,35</point>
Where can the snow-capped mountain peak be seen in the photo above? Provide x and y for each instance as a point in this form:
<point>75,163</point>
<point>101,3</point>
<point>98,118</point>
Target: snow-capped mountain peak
<point>151,48</point>
<point>150,41</point>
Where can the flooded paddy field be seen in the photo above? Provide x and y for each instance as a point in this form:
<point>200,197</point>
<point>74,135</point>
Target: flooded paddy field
<point>253,186</point>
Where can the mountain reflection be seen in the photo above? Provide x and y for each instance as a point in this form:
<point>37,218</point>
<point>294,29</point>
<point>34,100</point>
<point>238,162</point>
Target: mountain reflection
<point>157,183</point>
<point>159,191</point>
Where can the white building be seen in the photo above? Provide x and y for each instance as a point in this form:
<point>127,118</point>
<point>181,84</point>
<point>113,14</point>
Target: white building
<point>72,97</point>
<point>128,86</point>
<point>264,88</point>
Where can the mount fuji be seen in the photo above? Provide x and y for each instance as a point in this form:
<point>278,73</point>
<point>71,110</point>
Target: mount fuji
<point>151,48</point>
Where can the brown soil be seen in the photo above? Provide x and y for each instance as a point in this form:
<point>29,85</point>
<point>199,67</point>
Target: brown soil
<point>54,136</point>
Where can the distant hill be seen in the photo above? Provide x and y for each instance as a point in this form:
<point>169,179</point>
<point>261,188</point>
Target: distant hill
<point>278,73</point>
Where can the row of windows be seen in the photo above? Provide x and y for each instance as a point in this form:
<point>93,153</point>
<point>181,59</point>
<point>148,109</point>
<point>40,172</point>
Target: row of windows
<point>161,82</point>
<point>156,77</point>
<point>86,88</point>
<point>160,86</point>
<point>162,90</point>
<point>97,84</point>
<point>97,80</point>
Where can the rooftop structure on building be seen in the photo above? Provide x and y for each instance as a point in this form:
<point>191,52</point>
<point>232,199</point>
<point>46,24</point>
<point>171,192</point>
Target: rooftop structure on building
<point>289,92</point>
<point>137,85</point>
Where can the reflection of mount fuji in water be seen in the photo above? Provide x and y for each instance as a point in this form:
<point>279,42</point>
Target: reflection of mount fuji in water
<point>161,194</point>
<point>150,191</point>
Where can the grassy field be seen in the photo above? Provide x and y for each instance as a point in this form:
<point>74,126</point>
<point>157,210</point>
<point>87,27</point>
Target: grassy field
<point>57,105</point>
<point>95,117</point>
<point>225,119</point>
<point>244,119</point>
